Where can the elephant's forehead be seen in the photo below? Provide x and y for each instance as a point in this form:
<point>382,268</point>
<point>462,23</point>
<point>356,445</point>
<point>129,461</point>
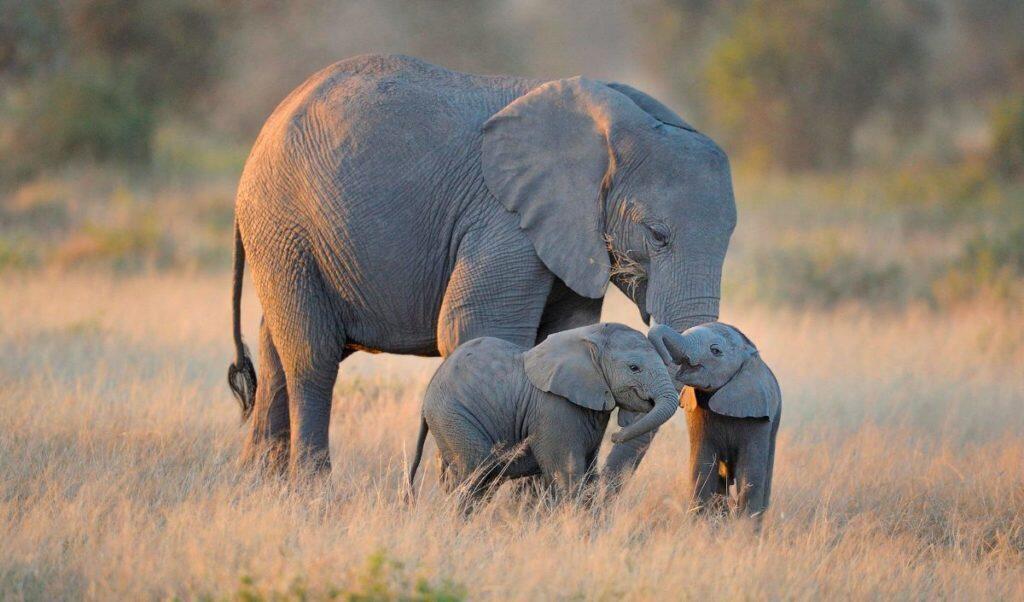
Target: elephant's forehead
<point>630,340</point>
<point>701,334</point>
<point>730,333</point>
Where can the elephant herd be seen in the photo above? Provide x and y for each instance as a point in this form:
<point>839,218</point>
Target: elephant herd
<point>390,205</point>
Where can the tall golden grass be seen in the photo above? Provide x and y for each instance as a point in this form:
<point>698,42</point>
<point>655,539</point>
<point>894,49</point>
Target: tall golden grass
<point>900,471</point>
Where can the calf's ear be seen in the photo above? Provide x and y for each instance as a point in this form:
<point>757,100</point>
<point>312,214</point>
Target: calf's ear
<point>753,392</point>
<point>566,364</point>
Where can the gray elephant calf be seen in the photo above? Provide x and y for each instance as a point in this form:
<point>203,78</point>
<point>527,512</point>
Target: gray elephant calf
<point>733,418</point>
<point>500,411</point>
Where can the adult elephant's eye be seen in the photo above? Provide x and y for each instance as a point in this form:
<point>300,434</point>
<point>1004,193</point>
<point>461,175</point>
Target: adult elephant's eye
<point>659,234</point>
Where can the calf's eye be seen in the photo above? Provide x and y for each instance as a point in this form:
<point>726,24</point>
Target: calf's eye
<point>634,368</point>
<point>716,351</point>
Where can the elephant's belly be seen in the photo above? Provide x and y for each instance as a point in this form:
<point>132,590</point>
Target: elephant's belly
<point>390,309</point>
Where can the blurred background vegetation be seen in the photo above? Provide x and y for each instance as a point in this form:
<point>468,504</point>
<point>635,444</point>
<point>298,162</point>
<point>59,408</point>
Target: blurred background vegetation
<point>877,145</point>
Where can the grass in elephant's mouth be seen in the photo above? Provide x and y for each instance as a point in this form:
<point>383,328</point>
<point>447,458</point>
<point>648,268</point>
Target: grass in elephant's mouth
<point>118,442</point>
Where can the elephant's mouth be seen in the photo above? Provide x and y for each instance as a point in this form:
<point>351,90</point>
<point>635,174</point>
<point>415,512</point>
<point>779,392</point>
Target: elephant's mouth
<point>700,386</point>
<point>688,374</point>
<point>645,401</point>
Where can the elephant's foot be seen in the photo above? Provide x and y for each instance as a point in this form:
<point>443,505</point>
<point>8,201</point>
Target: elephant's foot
<point>711,506</point>
<point>312,468</point>
<point>268,457</point>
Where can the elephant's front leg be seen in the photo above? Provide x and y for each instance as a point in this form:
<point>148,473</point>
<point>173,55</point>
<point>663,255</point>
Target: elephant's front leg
<point>564,310</point>
<point>267,444</point>
<point>566,470</point>
<point>497,288</point>
<point>625,457</point>
<point>709,486</point>
<point>569,478</point>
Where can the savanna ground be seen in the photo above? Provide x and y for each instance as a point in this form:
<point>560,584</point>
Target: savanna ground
<point>890,311</point>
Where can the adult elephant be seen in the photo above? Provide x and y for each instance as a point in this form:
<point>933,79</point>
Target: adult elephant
<point>390,205</point>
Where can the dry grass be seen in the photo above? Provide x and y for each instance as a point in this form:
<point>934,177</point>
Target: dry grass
<point>900,470</point>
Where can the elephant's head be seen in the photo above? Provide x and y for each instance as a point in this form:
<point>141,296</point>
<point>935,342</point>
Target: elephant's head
<point>608,183</point>
<point>719,360</point>
<point>602,366</point>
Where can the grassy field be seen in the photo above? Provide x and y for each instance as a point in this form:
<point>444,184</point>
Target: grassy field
<point>900,469</point>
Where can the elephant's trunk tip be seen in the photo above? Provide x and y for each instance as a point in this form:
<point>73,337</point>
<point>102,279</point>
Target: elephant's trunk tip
<point>663,409</point>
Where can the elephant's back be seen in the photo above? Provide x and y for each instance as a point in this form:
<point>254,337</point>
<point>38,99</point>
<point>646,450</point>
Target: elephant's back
<point>329,134</point>
<point>479,383</point>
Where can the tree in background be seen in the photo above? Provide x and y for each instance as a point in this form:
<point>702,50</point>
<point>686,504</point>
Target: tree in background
<point>786,83</point>
<point>1008,139</point>
<point>89,78</point>
<point>991,72</point>
<point>792,80</point>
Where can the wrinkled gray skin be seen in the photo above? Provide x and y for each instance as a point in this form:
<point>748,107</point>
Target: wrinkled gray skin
<point>734,417</point>
<point>546,407</point>
<point>390,205</point>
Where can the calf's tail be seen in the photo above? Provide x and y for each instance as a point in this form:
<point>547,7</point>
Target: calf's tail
<point>420,440</point>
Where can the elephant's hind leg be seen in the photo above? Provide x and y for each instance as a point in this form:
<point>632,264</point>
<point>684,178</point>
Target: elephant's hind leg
<point>267,444</point>
<point>311,379</point>
<point>310,341</point>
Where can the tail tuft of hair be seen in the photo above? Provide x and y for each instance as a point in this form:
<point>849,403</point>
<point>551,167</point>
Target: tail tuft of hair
<point>242,380</point>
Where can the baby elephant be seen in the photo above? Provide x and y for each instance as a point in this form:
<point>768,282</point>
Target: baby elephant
<point>733,418</point>
<point>499,411</point>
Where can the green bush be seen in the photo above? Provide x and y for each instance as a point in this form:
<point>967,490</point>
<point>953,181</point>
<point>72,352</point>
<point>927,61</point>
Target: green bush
<point>992,265</point>
<point>90,79</point>
<point>791,80</point>
<point>817,277</point>
<point>1008,138</point>
<point>383,579</point>
<point>88,113</point>
<point>16,254</point>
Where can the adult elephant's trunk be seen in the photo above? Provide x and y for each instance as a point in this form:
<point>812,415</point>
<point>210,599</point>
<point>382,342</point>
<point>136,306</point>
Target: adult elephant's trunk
<point>663,409</point>
<point>678,301</point>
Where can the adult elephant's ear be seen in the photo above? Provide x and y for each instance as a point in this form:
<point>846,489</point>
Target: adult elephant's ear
<point>652,106</point>
<point>567,364</point>
<point>546,157</point>
<point>752,393</point>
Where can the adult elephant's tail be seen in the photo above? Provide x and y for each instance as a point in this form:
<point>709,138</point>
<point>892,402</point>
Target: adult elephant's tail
<point>241,374</point>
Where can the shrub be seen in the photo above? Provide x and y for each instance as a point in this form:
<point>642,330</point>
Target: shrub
<point>792,80</point>
<point>15,254</point>
<point>129,248</point>
<point>87,80</point>
<point>1008,138</point>
<point>90,112</point>
<point>987,265</point>
<point>382,579</point>
<point>824,277</point>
